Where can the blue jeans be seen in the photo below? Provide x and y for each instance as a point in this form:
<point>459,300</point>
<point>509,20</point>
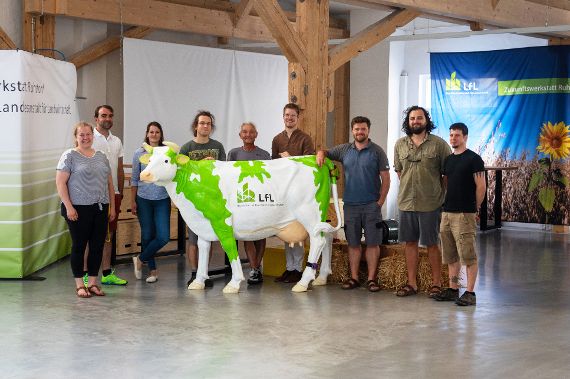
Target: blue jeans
<point>154,218</point>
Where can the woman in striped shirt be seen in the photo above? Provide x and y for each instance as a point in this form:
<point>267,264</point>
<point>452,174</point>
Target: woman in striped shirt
<point>84,182</point>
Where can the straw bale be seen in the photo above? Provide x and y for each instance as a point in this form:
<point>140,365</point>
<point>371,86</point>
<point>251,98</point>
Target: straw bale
<point>392,271</point>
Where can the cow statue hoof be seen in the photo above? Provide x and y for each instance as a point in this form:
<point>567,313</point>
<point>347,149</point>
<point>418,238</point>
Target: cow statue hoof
<point>195,285</point>
<point>299,288</point>
<point>229,288</point>
<point>320,281</point>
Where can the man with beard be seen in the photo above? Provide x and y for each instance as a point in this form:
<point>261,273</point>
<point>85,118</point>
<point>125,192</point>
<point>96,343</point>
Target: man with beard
<point>367,181</point>
<point>112,147</point>
<point>289,143</point>
<point>418,160</point>
<point>464,175</point>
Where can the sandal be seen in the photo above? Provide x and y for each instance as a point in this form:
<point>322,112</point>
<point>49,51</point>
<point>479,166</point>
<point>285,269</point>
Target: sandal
<point>95,290</point>
<point>372,286</point>
<point>434,291</point>
<point>350,284</point>
<point>406,290</point>
<point>83,295</point>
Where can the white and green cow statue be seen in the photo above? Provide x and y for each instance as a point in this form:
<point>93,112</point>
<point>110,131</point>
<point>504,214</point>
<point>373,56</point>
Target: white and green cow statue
<point>249,200</point>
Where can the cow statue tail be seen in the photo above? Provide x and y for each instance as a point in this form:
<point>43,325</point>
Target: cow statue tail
<point>325,226</point>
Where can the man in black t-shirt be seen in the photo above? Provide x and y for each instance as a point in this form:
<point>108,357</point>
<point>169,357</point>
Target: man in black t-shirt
<point>464,176</point>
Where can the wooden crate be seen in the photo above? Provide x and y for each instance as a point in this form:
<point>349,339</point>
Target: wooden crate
<point>129,234</point>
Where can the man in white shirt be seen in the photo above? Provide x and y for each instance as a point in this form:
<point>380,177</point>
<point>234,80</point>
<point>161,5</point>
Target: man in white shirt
<point>112,146</point>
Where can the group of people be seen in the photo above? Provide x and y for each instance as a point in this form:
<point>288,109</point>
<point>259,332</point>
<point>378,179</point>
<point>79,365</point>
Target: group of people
<point>438,197</point>
<point>439,194</point>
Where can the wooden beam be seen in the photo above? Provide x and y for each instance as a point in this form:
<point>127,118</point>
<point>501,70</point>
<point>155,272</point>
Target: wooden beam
<point>559,41</point>
<point>475,26</point>
<point>242,10</point>
<point>510,13</point>
<point>559,4</point>
<point>6,42</point>
<point>312,26</point>
<point>157,14</point>
<point>287,38</point>
<point>106,46</point>
<point>224,5</point>
<point>39,34</point>
<point>368,37</point>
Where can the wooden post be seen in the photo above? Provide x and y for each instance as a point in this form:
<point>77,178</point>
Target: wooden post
<point>313,24</point>
<point>39,33</point>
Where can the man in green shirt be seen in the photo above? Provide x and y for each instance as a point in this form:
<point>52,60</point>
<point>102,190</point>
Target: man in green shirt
<point>418,161</point>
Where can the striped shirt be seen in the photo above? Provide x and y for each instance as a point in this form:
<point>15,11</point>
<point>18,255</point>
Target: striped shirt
<point>88,177</point>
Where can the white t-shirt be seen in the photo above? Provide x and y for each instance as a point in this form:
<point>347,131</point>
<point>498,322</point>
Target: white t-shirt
<point>112,147</point>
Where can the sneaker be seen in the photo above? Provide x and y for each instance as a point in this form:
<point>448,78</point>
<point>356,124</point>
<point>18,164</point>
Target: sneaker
<point>138,273</point>
<point>85,279</point>
<point>151,279</point>
<point>468,298</point>
<point>113,279</point>
<point>283,276</point>
<point>255,276</point>
<point>293,277</point>
<point>447,294</point>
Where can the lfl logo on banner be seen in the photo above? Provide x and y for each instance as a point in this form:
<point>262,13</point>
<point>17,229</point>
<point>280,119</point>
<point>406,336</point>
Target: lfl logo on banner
<point>454,84</point>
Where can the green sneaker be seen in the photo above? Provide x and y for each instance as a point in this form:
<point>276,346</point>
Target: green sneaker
<point>85,280</point>
<point>113,279</point>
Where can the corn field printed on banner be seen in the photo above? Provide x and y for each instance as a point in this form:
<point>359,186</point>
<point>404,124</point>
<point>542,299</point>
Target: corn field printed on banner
<point>516,104</point>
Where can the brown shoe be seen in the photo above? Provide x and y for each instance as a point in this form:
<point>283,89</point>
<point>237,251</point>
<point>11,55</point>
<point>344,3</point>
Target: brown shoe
<point>293,277</point>
<point>283,276</point>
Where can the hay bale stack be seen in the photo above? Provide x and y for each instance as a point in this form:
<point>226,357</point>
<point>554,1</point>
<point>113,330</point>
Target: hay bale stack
<point>392,271</point>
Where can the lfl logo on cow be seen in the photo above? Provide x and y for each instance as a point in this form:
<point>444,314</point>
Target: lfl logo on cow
<point>248,196</point>
<point>454,84</point>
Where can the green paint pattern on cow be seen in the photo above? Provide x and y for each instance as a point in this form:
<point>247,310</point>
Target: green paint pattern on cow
<point>206,197</point>
<point>322,181</point>
<point>252,169</point>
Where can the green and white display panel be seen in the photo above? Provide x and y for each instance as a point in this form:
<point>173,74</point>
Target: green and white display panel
<point>37,115</point>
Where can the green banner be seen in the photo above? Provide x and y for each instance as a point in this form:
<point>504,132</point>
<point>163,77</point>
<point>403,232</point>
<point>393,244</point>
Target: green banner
<point>534,86</point>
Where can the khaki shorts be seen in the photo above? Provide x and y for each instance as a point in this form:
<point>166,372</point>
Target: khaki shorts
<point>457,231</point>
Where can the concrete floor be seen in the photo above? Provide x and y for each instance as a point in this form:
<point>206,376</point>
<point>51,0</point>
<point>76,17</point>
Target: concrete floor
<point>519,328</point>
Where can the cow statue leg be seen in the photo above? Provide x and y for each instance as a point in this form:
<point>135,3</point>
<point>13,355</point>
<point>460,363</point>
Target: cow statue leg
<point>203,258</point>
<point>237,277</point>
<point>317,244</point>
<point>325,269</point>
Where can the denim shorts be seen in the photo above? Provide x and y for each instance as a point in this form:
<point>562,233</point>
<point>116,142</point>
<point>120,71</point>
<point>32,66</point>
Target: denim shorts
<point>367,217</point>
<point>419,226</point>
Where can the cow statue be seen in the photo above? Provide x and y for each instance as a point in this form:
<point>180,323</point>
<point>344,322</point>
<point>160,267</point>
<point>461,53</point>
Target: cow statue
<point>249,200</point>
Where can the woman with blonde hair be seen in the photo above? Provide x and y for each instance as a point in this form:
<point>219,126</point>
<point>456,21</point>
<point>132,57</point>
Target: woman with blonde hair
<point>84,182</point>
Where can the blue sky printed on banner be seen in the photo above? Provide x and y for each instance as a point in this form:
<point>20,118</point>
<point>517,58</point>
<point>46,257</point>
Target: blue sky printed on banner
<point>465,88</point>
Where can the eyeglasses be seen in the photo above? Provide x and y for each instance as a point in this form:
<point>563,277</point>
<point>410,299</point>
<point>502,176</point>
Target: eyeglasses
<point>204,123</point>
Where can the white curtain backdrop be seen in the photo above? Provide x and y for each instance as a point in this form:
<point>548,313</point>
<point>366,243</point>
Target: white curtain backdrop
<point>169,83</point>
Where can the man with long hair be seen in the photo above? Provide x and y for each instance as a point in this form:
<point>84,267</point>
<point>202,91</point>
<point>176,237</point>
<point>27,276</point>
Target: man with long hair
<point>418,161</point>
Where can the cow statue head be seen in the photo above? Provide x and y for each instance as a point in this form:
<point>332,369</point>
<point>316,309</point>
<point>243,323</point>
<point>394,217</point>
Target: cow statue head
<point>162,163</point>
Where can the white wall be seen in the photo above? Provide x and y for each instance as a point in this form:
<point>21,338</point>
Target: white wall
<point>369,79</point>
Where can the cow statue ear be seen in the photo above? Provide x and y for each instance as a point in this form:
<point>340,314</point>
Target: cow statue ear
<point>147,147</point>
<point>144,158</point>
<point>173,146</point>
<point>182,159</point>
